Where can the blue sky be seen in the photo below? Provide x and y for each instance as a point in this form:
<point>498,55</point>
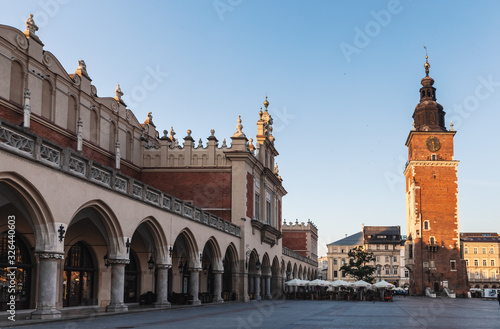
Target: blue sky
<point>342,79</point>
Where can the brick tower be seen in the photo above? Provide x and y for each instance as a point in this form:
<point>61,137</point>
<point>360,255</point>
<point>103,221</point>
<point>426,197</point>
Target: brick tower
<point>433,244</point>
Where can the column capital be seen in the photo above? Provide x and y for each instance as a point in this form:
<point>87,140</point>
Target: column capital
<point>163,266</point>
<point>48,255</point>
<point>194,269</point>
<point>119,261</point>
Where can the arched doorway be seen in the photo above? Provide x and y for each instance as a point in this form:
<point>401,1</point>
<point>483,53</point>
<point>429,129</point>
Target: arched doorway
<point>276,282</point>
<point>79,276</point>
<point>132,271</point>
<point>22,276</point>
<point>230,263</point>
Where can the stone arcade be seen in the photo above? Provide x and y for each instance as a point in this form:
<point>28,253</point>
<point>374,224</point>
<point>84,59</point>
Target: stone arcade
<point>107,210</point>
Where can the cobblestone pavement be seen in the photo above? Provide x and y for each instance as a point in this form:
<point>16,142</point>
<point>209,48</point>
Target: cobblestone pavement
<point>410,312</point>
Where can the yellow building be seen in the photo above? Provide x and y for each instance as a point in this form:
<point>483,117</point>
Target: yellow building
<point>481,253</point>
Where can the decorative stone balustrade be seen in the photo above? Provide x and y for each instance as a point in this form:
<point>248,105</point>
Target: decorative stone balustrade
<point>24,143</point>
<point>296,255</point>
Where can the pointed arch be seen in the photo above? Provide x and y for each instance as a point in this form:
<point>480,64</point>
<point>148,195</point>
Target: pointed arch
<point>151,230</point>
<point>190,244</point>
<point>26,197</point>
<point>107,224</point>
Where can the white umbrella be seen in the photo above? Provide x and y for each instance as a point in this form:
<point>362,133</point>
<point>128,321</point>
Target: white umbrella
<point>383,284</point>
<point>319,282</point>
<point>339,283</point>
<point>360,283</point>
<point>399,289</point>
<point>296,283</point>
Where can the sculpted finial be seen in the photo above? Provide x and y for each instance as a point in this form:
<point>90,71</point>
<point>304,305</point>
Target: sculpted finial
<point>30,24</point>
<point>118,93</point>
<point>239,127</point>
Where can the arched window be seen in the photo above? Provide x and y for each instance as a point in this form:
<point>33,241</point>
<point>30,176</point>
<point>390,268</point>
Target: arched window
<point>94,124</point>
<point>112,137</point>
<point>23,272</point>
<point>16,83</point>
<point>128,149</point>
<point>46,99</point>
<point>72,114</point>
<point>79,272</point>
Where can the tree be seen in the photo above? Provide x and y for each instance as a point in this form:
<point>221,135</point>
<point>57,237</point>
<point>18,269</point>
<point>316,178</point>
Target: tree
<point>358,264</point>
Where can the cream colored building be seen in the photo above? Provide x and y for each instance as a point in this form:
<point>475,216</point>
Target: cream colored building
<point>481,252</point>
<point>385,244</point>
<point>94,226</point>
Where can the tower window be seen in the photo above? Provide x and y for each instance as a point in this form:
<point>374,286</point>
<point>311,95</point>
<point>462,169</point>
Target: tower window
<point>433,157</point>
<point>453,265</point>
<point>426,225</point>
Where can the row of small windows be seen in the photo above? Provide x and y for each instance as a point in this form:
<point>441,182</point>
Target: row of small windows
<point>475,250</point>
<point>482,275</point>
<point>377,260</point>
<point>386,247</point>
<point>484,262</point>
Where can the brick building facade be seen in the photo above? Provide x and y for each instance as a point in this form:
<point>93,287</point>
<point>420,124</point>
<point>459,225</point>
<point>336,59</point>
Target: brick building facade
<point>433,246</point>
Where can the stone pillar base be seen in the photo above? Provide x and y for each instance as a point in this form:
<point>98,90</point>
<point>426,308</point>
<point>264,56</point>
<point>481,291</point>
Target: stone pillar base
<point>117,308</point>
<point>162,305</point>
<point>46,314</point>
<point>258,297</point>
<point>218,300</point>
<point>269,297</point>
<point>196,302</point>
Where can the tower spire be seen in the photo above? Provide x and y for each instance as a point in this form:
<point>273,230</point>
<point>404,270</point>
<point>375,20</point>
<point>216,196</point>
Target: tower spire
<point>427,66</point>
<point>429,114</point>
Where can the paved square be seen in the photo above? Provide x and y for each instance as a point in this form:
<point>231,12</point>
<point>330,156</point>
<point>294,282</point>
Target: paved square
<point>410,312</point>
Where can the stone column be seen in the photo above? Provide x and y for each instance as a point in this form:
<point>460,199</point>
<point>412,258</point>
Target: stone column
<point>257,287</point>
<point>268,288</point>
<point>218,287</point>
<point>194,283</point>
<point>162,285</point>
<point>263,287</point>
<point>47,286</point>
<point>117,285</point>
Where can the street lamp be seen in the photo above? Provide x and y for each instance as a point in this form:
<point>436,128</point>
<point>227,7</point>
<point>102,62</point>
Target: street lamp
<point>151,262</point>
